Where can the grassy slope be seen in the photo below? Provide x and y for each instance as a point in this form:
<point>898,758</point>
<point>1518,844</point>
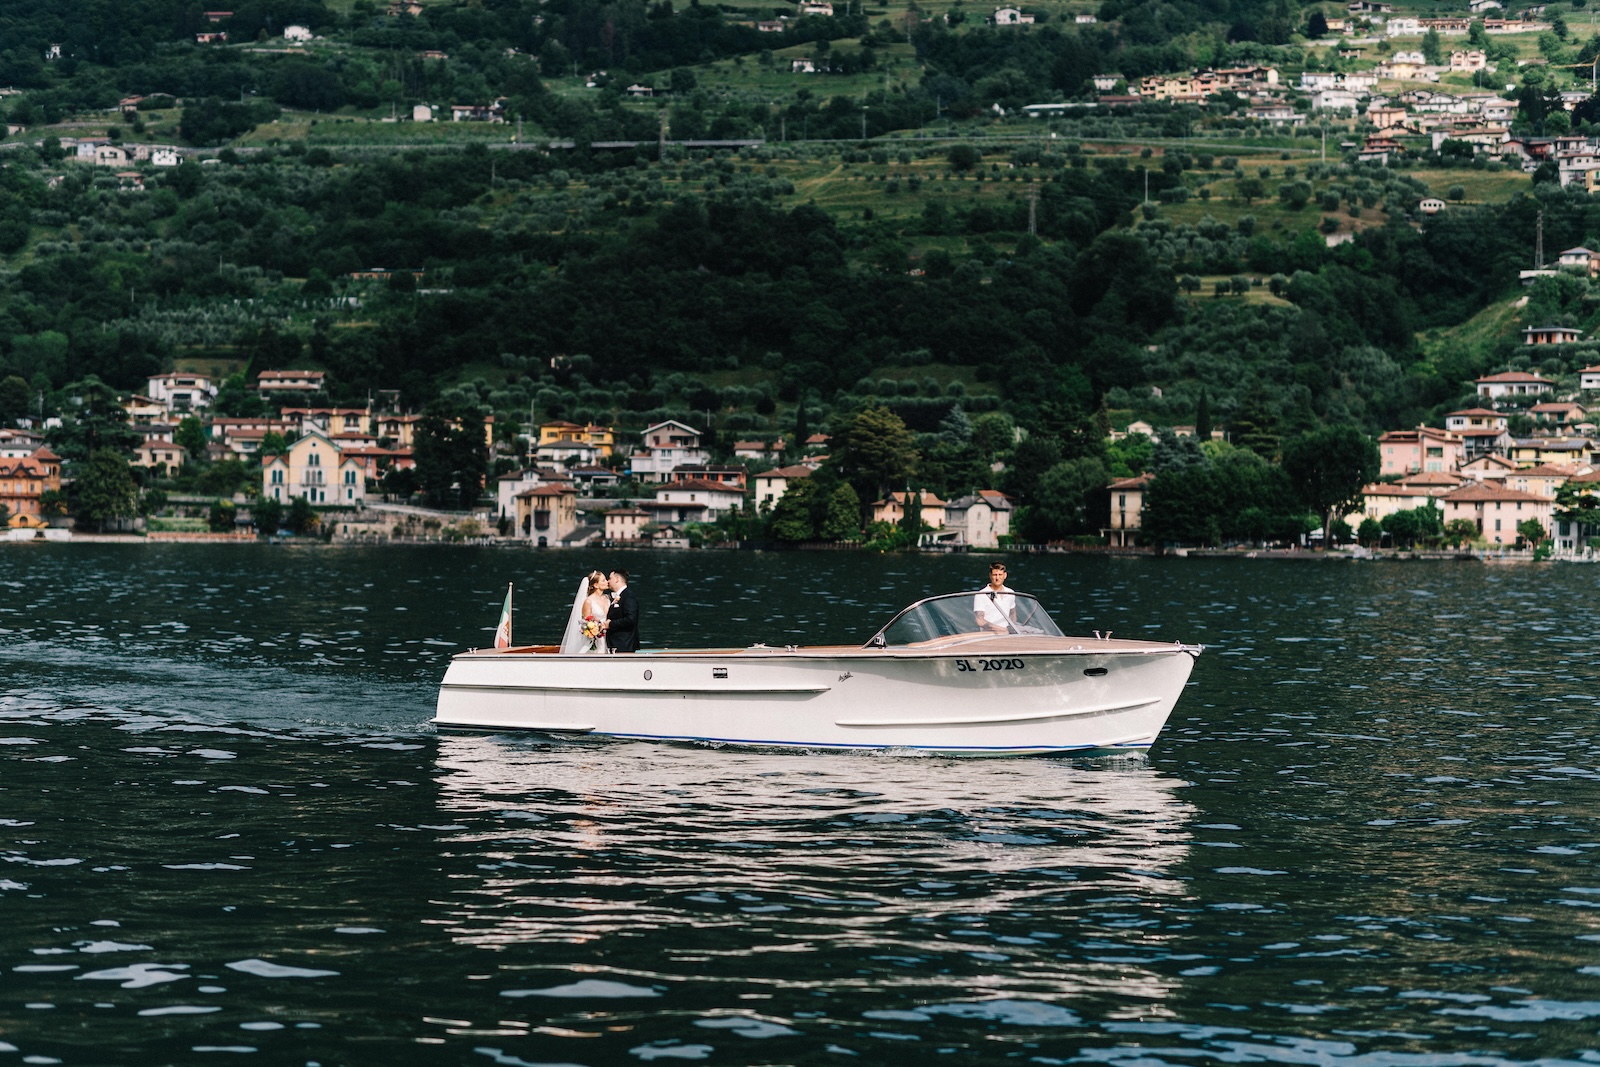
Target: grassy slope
<point>1476,338</point>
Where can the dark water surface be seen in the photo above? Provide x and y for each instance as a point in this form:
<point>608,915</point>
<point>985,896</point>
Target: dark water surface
<point>1367,837</point>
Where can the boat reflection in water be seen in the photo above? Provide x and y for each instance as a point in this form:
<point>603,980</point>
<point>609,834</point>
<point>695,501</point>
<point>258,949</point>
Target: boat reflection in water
<point>957,674</point>
<point>662,860</point>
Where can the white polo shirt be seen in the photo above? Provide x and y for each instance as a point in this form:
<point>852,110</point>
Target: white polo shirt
<point>997,610</point>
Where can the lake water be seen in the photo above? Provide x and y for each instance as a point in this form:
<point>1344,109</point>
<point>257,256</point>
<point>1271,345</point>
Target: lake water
<point>1367,837</point>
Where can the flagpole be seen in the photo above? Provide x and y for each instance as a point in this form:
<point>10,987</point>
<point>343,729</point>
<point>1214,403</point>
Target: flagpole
<point>502,630</point>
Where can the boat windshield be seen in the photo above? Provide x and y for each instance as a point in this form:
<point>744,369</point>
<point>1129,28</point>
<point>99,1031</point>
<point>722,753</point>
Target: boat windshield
<point>976,613</point>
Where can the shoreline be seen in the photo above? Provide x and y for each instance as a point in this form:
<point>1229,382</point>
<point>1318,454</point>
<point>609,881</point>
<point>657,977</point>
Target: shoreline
<point>1104,551</point>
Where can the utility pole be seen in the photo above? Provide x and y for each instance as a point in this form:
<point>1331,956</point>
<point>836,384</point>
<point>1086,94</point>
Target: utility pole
<point>661,139</point>
<point>1033,208</point>
<point>1538,243</point>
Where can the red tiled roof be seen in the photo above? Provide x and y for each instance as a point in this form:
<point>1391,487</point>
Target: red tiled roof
<point>554,489</point>
<point>1393,489</point>
<point>1491,491</point>
<point>698,484</point>
<point>928,500</point>
<point>1419,433</point>
<point>1515,376</point>
<point>1432,478</point>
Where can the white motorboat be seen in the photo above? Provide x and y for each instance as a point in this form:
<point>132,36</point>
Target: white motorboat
<point>930,681</point>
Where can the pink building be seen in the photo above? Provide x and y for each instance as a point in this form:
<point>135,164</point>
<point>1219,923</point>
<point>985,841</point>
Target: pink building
<point>1422,449</point>
<point>1496,510</point>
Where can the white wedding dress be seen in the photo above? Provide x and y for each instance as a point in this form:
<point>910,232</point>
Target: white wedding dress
<point>572,639</point>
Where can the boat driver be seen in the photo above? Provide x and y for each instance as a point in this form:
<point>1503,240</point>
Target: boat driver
<point>996,604</point>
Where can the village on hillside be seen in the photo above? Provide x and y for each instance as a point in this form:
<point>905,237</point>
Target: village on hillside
<point>347,474</point>
<point>1471,482</point>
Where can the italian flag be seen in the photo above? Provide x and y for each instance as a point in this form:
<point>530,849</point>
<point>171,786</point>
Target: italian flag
<point>502,632</point>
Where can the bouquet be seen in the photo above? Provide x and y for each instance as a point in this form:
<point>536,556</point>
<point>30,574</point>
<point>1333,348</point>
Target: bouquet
<point>592,629</point>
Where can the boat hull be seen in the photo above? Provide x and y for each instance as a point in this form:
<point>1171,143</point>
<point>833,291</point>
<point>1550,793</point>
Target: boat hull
<point>1000,696</point>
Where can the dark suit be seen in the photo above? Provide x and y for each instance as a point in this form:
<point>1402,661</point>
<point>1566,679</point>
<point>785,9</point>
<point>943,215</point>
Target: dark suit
<point>623,633</point>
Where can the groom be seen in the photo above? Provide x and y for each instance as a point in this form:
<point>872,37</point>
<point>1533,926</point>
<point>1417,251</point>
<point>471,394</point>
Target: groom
<point>622,621</point>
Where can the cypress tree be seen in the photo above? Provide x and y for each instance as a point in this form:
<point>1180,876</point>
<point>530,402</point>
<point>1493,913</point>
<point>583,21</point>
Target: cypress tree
<point>1202,418</point>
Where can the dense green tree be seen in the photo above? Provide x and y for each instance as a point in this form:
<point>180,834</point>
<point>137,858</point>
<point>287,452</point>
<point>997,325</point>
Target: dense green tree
<point>1406,528</point>
<point>791,519</point>
<point>1032,456</point>
<point>875,451</point>
<point>236,399</point>
<point>95,420</point>
<point>1255,425</point>
<point>1579,503</point>
<point>104,490</point>
<point>964,157</point>
<point>450,461</point>
<point>912,524</point>
<point>190,435</point>
<point>1328,468</point>
<point>400,482</point>
<point>842,519</point>
<point>993,433</point>
<point>16,399</point>
<point>1433,47</point>
<point>1069,499</point>
<point>220,517</point>
<point>301,518</point>
<point>1235,497</point>
<point>1130,456</point>
<point>267,515</point>
<point>1458,532</point>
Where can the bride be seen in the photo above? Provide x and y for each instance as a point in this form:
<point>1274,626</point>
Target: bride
<point>588,612</point>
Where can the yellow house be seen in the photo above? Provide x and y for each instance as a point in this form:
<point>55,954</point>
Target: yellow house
<point>893,510</point>
<point>586,442</point>
<point>1538,451</point>
<point>401,430</point>
<point>546,514</point>
<point>314,468</point>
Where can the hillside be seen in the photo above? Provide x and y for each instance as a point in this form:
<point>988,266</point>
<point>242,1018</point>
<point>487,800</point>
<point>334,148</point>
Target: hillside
<point>892,231</point>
